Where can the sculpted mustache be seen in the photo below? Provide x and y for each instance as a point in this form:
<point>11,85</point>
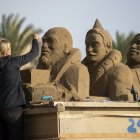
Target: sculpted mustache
<point>134,50</point>
<point>92,53</point>
<point>46,52</point>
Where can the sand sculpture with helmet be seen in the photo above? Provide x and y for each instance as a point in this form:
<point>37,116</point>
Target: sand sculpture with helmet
<point>108,76</point>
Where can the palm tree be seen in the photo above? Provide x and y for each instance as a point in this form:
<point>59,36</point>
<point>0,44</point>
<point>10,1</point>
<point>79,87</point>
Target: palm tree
<point>10,28</point>
<point>122,44</point>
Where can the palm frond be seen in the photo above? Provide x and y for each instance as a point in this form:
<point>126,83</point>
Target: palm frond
<point>10,28</point>
<point>122,44</point>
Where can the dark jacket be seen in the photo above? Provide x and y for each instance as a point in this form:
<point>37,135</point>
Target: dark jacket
<point>11,92</point>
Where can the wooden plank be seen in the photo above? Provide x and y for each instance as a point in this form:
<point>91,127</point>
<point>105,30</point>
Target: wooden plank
<point>78,121</point>
<point>41,126</point>
<point>101,135</point>
<point>43,110</point>
<point>111,104</point>
<point>85,125</point>
<point>98,115</point>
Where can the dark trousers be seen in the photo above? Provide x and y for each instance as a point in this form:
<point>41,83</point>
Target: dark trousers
<point>12,124</point>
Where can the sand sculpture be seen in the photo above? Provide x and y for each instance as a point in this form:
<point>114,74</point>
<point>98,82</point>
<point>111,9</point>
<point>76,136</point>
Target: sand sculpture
<point>133,61</point>
<point>59,72</point>
<point>108,76</point>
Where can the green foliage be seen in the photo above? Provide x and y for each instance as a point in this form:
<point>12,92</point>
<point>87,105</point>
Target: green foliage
<point>11,29</point>
<point>122,44</point>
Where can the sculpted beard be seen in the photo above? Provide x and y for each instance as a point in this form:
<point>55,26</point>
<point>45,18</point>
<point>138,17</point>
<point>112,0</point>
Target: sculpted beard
<point>46,60</point>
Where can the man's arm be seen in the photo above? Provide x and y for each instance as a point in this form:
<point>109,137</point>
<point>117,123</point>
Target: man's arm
<point>24,59</point>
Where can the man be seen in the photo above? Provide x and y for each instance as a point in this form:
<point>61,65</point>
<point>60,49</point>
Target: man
<point>68,78</point>
<point>133,61</point>
<point>103,63</point>
<point>12,100</point>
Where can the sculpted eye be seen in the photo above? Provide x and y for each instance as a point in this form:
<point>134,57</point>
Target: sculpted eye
<point>95,44</point>
<point>51,47</point>
<point>138,42</point>
<point>87,45</point>
<point>50,40</point>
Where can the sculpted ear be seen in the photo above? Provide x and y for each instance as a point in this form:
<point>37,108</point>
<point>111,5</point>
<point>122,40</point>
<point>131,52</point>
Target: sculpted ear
<point>66,49</point>
<point>107,50</point>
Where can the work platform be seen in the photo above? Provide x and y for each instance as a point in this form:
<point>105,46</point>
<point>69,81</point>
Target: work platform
<point>83,121</point>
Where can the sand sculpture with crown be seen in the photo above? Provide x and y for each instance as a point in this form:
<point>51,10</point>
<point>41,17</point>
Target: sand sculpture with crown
<point>108,76</point>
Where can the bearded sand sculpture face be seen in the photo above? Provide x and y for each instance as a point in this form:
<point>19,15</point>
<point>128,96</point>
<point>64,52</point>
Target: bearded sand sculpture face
<point>56,42</point>
<point>133,56</point>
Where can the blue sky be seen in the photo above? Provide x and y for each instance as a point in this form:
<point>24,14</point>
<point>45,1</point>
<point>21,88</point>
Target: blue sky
<point>78,16</point>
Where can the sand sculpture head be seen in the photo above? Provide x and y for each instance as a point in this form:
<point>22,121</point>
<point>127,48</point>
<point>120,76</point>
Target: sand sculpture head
<point>98,43</point>
<point>133,56</point>
<point>57,42</point>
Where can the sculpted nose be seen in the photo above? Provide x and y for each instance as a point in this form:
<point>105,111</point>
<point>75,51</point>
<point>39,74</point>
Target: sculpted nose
<point>44,45</point>
<point>90,49</point>
<point>134,46</point>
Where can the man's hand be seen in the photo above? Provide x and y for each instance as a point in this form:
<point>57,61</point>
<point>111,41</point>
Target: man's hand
<point>36,36</point>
